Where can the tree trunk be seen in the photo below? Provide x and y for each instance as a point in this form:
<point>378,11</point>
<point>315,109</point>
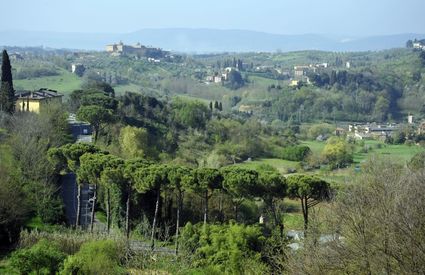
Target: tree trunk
<point>165,204</point>
<point>277,221</point>
<point>206,208</point>
<point>127,214</point>
<point>92,208</point>
<point>220,207</point>
<point>305,214</point>
<point>154,218</point>
<point>96,133</point>
<point>179,207</point>
<point>108,210</point>
<point>77,218</point>
<point>235,207</point>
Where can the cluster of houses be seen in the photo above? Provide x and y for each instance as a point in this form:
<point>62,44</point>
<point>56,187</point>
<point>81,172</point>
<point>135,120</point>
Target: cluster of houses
<point>372,131</point>
<point>301,71</point>
<point>219,77</point>
<point>379,131</point>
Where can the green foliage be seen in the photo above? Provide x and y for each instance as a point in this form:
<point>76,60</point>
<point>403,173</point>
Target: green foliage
<point>150,177</point>
<point>68,156</point>
<point>14,206</point>
<point>295,153</point>
<point>309,190</point>
<point>225,247</point>
<point>417,162</point>
<point>51,209</point>
<point>98,98</point>
<point>207,179</point>
<point>136,142</point>
<point>313,131</point>
<point>375,220</point>
<point>43,258</point>
<point>37,71</point>
<point>309,187</point>
<point>7,93</point>
<point>92,165</point>
<point>31,136</point>
<point>235,80</point>
<point>95,257</point>
<point>93,81</point>
<point>337,153</point>
<point>271,183</point>
<point>180,177</point>
<point>190,114</point>
<point>240,182</point>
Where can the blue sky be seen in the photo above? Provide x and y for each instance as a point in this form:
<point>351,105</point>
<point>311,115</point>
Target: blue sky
<point>345,17</point>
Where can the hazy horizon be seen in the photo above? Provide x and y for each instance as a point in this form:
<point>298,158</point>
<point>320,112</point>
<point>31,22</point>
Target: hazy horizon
<point>330,35</point>
<point>350,18</point>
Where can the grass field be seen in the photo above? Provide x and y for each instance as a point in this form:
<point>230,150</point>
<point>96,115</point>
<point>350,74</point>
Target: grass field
<point>280,164</point>
<point>121,89</point>
<point>315,146</point>
<point>64,83</point>
<point>400,152</point>
<point>188,97</point>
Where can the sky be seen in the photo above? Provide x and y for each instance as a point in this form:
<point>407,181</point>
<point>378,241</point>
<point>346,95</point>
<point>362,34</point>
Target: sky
<point>333,17</point>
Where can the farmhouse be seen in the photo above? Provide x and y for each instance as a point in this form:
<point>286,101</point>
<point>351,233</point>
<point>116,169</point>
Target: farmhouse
<point>36,101</point>
<point>217,78</point>
<point>300,71</point>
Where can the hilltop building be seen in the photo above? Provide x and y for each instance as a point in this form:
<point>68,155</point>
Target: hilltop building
<point>36,101</point>
<point>138,50</point>
<point>125,49</point>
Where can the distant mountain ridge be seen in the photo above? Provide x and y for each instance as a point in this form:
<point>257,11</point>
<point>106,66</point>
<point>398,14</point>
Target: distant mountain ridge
<point>206,40</point>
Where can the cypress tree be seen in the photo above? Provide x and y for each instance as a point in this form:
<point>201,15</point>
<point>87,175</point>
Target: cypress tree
<point>7,93</point>
<point>215,105</point>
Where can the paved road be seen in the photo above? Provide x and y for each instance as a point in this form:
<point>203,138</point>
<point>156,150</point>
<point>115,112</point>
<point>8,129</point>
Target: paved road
<point>69,195</point>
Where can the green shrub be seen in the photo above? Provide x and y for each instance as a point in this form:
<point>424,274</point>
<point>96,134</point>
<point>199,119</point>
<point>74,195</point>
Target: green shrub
<point>295,153</point>
<point>223,247</point>
<point>68,240</point>
<point>95,257</point>
<point>44,257</point>
<point>417,162</point>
